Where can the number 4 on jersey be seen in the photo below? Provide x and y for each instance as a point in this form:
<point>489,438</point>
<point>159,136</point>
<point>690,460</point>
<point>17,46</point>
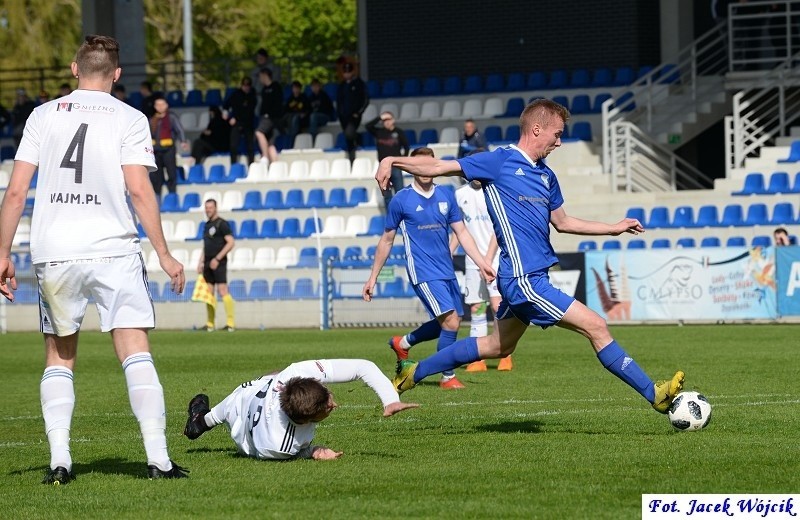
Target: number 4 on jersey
<point>77,164</point>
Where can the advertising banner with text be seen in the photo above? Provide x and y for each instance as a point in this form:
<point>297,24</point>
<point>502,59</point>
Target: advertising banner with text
<point>787,260</point>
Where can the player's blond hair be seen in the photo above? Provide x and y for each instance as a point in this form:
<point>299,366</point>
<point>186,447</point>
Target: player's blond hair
<point>98,56</point>
<point>304,398</point>
<point>541,111</point>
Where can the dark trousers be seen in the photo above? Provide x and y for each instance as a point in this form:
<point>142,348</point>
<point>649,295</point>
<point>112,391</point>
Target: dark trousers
<point>395,185</point>
<point>165,160</point>
<point>350,129</point>
<point>249,135</point>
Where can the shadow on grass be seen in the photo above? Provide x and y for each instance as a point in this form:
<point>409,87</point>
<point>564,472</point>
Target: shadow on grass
<point>512,427</point>
<point>107,466</point>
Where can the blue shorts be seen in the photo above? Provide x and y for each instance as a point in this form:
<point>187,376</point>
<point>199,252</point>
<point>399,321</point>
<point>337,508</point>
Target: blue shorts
<point>532,299</point>
<point>440,297</point>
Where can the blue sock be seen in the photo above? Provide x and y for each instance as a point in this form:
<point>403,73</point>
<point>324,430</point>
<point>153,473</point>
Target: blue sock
<point>425,332</point>
<point>459,353</point>
<point>624,367</point>
<point>446,338</point>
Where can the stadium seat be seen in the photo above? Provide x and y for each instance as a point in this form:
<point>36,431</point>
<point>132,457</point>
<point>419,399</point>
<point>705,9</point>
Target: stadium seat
<point>257,172</point>
<point>153,288</point>
<point>363,168</point>
<point>411,135</point>
<point>259,289</point>
<point>582,131</point>
<point>323,140</point>
<point>493,107</point>
<point>370,113</point>
<point>428,136</point>
<point>281,289</point>
<point>285,256</point>
<point>273,200</point>
<point>514,107</point>
<point>450,135</point>
<point>175,98</point>
<point>562,100</point>
<point>231,199</point>
<point>493,134</point>
<point>304,141</point>
<point>390,88</point>
<point>587,245</point>
<point>216,174</point>
<point>626,102</point>
<point>660,243</point>
<point>213,97</point>
<point>316,198</point>
<point>307,258</point>
<point>334,226</point>
<point>237,171</point>
<point>269,228</point>
<point>264,258</point>
<point>330,252</point>
<point>537,80</point>
<point>394,108</point>
<point>373,89</point>
<point>685,243</point>
<point>494,83</point>
<point>753,185</point>
<point>659,218</point>
<point>783,214</point>
<point>340,143</point>
<point>558,80</point>
<point>473,85</point>
<point>757,215</point>
<point>337,198</point>
<point>710,242</point>
<point>623,76</point>
<point>238,289</point>
<point>304,288</point>
<point>516,82</point>
<point>312,225</point>
<point>472,108</point>
<point>580,105</point>
<point>241,258</point>
<point>409,111</point>
<point>186,229</point>
<point>637,243</point>
<point>451,109</point>
<point>579,78</point>
<point>779,183</point>
<point>291,228</point>
<point>732,215</point>
<point>294,199</point>
<point>611,245</point>
<point>194,98</point>
<point>248,229</point>
<point>683,217</point>
<point>170,204</point>
<point>135,99</point>
<point>358,195</point>
<point>736,242</point>
<point>707,216</point>
<point>597,105</point>
<point>451,86</point>
<point>637,213</point>
<point>189,122</point>
<point>431,87</point>
<point>355,226</point>
<point>196,175</point>
<point>796,184</point>
<point>393,289</point>
<point>367,140</point>
<point>761,241</point>
<point>252,201</point>
<point>429,110</point>
<point>601,78</point>
<point>331,89</point>
<point>794,153</point>
<point>375,227</point>
<point>512,133</point>
<point>411,87</point>
<point>191,201</point>
<point>352,256</point>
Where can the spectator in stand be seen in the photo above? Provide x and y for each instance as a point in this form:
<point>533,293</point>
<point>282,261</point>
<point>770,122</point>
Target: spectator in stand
<point>43,98</point>
<point>148,99</point>
<point>321,108</point>
<point>20,112</point>
<point>390,140</point>
<point>263,60</point>
<point>215,138</point>
<point>782,237</point>
<point>5,117</point>
<point>165,129</point>
<point>119,92</point>
<point>240,113</point>
<point>271,112</point>
<point>472,141</point>
<point>351,101</point>
<point>296,112</point>
<point>64,90</point>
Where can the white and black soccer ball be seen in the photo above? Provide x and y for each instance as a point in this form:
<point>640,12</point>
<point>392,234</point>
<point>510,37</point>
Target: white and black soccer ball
<point>689,411</point>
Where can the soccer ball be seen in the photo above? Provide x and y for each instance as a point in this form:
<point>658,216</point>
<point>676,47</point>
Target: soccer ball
<point>689,411</point>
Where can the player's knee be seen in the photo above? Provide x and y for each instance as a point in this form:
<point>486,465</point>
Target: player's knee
<point>596,326</point>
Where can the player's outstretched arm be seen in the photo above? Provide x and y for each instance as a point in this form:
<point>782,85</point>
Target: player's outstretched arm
<point>567,224</point>
<point>324,453</point>
<point>421,166</point>
<point>397,407</point>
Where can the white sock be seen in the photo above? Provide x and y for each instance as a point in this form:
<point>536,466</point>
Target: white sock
<point>478,326</point>
<point>58,401</point>
<point>404,344</point>
<point>147,402</point>
<point>218,413</point>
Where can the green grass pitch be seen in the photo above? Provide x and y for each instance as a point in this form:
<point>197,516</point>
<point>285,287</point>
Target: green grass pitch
<point>558,437</point>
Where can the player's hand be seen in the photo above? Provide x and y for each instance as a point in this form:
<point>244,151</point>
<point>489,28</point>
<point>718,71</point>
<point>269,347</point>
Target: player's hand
<point>627,225</point>
<point>368,291</point>
<point>200,267</point>
<point>8,281</point>
<point>185,146</point>
<point>174,269</point>
<point>383,174</point>
<point>398,407</point>
<point>323,453</point>
<point>488,273</point>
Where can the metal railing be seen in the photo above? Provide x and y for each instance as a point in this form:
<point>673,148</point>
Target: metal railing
<point>762,34</point>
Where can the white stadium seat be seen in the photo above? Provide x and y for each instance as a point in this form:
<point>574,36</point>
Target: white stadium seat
<point>363,168</point>
<point>181,255</point>
<point>472,108</point>
<point>493,107</point>
<point>298,171</point>
<point>23,234</point>
<point>286,256</point>
<point>256,172</point>
<point>211,194</point>
<point>194,258</point>
<point>152,264</point>
<point>184,229</point>
<point>430,110</point>
<point>451,109</point>
<point>409,111</point>
<point>333,226</point>
<point>242,258</point>
<point>278,172</point>
<point>340,169</point>
<point>370,113</point>
<point>390,107</point>
<point>450,134</point>
<point>231,199</point>
<point>356,225</point>
<point>202,120</point>
<point>189,121</point>
<point>168,227</point>
<point>323,140</point>
<point>264,258</point>
<point>320,169</point>
<point>303,142</point>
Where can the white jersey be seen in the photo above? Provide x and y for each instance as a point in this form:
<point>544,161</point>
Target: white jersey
<point>478,222</point>
<point>80,142</point>
<point>261,429</point>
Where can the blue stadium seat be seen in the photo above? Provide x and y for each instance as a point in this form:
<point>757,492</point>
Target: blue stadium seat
<point>582,131</point>
<point>411,135</point>
<point>238,289</point>
<point>558,79</point>
<point>473,85</point>
<point>411,87</point>
<point>281,289</point>
<point>452,85</point>
<point>587,245</point>
<point>216,174</point>
<point>370,253</point>
<point>358,195</point>
<point>252,201</point>
<point>753,185</point>
<point>197,175</point>
<point>431,87</point>
<point>199,235</point>
<point>316,198</point>
<point>669,74</point>
<point>237,171</point>
<point>311,226</point>
<point>516,82</point>
<point>637,243</point>
<point>269,228</point>
<point>170,203</point>
<point>294,199</point>
<point>331,252</point>
<point>340,143</point>
<point>493,133</point>
<point>337,198</point>
<point>579,79</point>
<point>514,107</point>
<point>307,257</point>
<point>397,255</point>
<point>248,229</point>
<point>660,243</point>
<point>259,289</point>
<point>707,216</point>
<point>637,213</point>
<point>580,105</point>
<point>373,89</point>
<point>234,225</point>
<point>283,142</point>
<point>394,289</point>
<point>562,100</point>
<point>782,214</point>
<point>602,78</point>
<point>710,242</point>
<point>685,243</point>
<point>352,256</point>
<point>643,71</point>
<point>135,99</point>
<point>537,80</point>
<point>291,228</point>
<point>367,140</point>
<point>659,218</point>
<point>757,215</point>
<point>796,184</point>
<point>597,105</point>
<point>732,215</point>
<point>779,183</point>
<point>175,98</point>
<point>7,152</point>
<point>623,76</point>
<point>273,200</point>
<point>390,88</point>
<point>376,226</point>
<point>611,245</point>
<point>304,288</point>
<point>428,136</point>
<point>155,293</point>
<point>512,133</point>
<point>194,98</point>
<point>736,242</point>
<point>761,241</point>
<point>229,92</point>
<point>683,217</point>
<point>626,102</point>
<point>213,97</point>
<point>494,83</point>
<point>332,89</point>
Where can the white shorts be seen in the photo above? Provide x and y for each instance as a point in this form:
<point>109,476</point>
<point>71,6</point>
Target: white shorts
<point>236,408</point>
<point>476,290</point>
<point>118,286</point>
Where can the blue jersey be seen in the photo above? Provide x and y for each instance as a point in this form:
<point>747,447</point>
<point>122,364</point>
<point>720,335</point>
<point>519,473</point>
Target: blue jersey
<point>424,222</point>
<point>520,194</point>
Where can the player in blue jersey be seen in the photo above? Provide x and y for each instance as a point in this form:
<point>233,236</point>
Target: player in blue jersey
<point>424,212</point>
<point>524,199</point>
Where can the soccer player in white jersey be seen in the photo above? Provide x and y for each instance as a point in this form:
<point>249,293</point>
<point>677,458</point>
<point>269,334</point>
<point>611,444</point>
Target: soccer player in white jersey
<point>524,198</point>
<point>477,292</point>
<point>93,154</point>
<point>275,416</point>
<point>424,212</point>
